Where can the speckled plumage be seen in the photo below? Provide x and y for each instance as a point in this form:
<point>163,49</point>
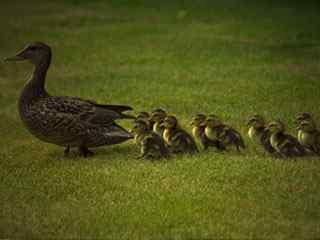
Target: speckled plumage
<point>62,120</point>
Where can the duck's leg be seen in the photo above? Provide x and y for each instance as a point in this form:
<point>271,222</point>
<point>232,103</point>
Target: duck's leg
<point>67,150</point>
<point>85,152</point>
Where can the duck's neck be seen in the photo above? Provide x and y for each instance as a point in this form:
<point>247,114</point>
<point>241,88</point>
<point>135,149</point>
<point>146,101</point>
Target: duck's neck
<point>35,87</point>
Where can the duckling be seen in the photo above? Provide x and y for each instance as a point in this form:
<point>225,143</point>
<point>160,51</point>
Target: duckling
<point>198,124</point>
<point>151,144</point>
<point>61,120</point>
<point>300,117</point>
<point>259,133</point>
<point>303,116</point>
<point>215,129</point>
<point>177,139</point>
<point>285,145</point>
<point>145,116</point>
<point>309,136</point>
<point>158,116</point>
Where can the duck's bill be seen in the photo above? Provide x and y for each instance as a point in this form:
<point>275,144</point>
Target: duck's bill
<point>13,59</point>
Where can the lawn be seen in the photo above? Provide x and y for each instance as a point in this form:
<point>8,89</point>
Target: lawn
<point>233,58</point>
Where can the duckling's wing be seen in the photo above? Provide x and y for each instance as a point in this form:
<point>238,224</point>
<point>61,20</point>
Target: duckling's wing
<point>235,137</point>
<point>265,141</point>
<point>293,146</point>
<point>157,140</point>
<point>317,142</point>
<point>187,140</point>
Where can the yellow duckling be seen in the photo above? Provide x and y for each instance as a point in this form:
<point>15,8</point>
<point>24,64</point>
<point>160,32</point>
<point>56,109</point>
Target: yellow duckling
<point>151,144</point>
<point>285,145</point>
<point>215,129</point>
<point>259,133</point>
<point>176,138</point>
<point>198,124</point>
<point>300,117</point>
<point>158,116</point>
<point>309,136</point>
<point>145,116</point>
<point>304,116</point>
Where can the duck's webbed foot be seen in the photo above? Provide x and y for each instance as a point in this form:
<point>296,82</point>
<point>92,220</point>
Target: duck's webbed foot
<point>85,152</point>
<point>67,150</point>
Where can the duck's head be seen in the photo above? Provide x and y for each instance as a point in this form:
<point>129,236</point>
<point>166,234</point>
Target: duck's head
<point>307,126</point>
<point>213,121</point>
<point>276,126</point>
<point>36,52</point>
<point>170,122</point>
<point>139,127</point>
<point>256,121</point>
<point>158,115</point>
<point>198,120</point>
<point>303,116</point>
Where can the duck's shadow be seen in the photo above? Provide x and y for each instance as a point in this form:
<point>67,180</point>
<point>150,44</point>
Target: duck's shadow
<point>121,151</point>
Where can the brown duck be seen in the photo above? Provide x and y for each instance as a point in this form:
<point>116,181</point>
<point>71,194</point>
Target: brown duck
<point>65,121</point>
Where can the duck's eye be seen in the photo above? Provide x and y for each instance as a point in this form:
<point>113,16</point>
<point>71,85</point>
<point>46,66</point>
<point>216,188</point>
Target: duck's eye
<point>33,48</point>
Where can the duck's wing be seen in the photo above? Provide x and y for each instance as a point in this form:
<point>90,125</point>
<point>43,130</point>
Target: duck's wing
<point>85,110</point>
<point>116,108</point>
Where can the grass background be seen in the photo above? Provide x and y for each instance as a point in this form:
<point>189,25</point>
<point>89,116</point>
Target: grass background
<point>234,58</point>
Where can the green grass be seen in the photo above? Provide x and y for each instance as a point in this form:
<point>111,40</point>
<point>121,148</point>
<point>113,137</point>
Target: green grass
<point>232,58</point>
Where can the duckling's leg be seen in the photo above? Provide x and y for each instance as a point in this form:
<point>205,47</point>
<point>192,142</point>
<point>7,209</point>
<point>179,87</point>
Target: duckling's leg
<point>85,152</point>
<point>67,150</point>
<point>205,146</point>
<point>221,146</point>
<point>238,148</point>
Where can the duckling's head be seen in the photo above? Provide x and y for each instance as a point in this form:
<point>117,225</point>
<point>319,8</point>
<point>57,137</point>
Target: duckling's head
<point>143,115</point>
<point>36,52</point>
<point>303,116</point>
<point>158,115</point>
<point>276,126</point>
<point>139,127</point>
<point>256,121</point>
<point>307,126</point>
<point>213,121</point>
<point>170,122</point>
<point>198,120</point>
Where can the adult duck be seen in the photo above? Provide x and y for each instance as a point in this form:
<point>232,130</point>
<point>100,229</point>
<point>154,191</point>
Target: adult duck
<point>63,120</point>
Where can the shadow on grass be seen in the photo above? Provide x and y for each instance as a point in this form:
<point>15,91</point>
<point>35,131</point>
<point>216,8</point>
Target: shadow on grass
<point>100,153</point>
